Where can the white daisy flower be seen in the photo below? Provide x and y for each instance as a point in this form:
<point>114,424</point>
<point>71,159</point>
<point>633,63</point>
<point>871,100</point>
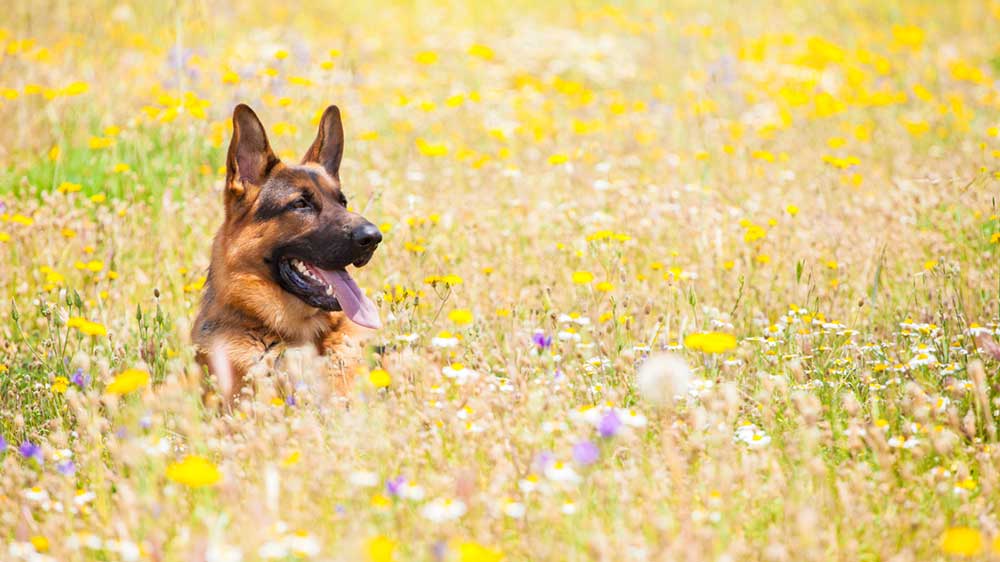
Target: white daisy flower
<point>459,373</point>
<point>411,492</point>
<point>363,479</point>
<point>441,510</point>
<point>529,483</point>
<point>444,340</point>
<point>902,442</point>
<point>922,359</point>
<point>36,494</point>
<point>569,334</point>
<point>574,318</point>
<point>513,509</point>
<point>561,472</point>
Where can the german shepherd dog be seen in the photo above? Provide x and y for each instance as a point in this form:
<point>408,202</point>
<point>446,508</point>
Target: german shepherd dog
<point>278,274</point>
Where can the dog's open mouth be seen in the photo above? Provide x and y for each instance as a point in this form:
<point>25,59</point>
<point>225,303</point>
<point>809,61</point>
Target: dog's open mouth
<point>329,289</point>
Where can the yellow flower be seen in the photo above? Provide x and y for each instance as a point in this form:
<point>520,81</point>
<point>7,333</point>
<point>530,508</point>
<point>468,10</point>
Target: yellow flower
<point>22,220</point>
<point>381,501</point>
<point>97,143</point>
<point>281,54</point>
<point>415,248</point>
<point>292,459</point>
<point>557,159</point>
<point>481,51</point>
<point>60,384</point>
<point>605,287</point>
<point>54,153</point>
<point>447,280</point>
<point>194,471</point>
<point>426,57</point>
<point>85,326</point>
<point>230,77</point>
<point>381,549</point>
<point>754,233</point>
<point>127,381</point>
<point>474,552</point>
<point>710,342</point>
<point>76,88</point>
<point>930,264</point>
<point>582,277</point>
<point>95,266</point>
<point>196,285</point>
<point>962,541</point>
<point>792,210</point>
<point>916,128</point>
<point>40,543</point>
<point>99,198</point>
<point>431,149</point>
<point>995,238</point>
<point>121,168</point>
<point>460,316</point>
<point>379,378</point>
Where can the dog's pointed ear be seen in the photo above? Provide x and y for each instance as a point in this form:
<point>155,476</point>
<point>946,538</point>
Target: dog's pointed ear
<point>328,147</point>
<point>250,156</point>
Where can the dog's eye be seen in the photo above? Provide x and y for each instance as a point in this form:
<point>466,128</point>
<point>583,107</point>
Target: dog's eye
<point>342,199</point>
<point>301,203</point>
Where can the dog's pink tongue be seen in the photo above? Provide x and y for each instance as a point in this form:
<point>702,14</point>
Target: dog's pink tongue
<point>359,308</point>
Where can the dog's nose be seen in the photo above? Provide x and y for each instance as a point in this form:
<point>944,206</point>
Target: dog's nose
<point>367,235</point>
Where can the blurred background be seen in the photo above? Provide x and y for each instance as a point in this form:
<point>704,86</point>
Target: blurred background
<point>473,75</point>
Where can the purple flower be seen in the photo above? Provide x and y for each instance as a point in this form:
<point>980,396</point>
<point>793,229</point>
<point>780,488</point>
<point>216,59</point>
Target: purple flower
<point>80,379</point>
<point>585,453</point>
<point>439,550</point>
<point>394,485</point>
<point>29,450</point>
<point>3,206</point>
<point>290,400</point>
<point>541,340</point>
<point>66,468</point>
<point>3,444</point>
<point>609,424</point>
<point>543,460</point>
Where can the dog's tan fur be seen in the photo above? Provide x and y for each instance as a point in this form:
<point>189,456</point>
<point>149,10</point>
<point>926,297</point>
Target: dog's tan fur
<point>245,314</point>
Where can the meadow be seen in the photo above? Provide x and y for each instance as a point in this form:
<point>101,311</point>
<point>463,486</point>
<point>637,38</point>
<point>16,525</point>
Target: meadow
<point>659,281</point>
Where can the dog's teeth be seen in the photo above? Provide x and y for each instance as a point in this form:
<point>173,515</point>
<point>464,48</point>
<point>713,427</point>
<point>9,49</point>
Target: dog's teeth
<point>329,290</point>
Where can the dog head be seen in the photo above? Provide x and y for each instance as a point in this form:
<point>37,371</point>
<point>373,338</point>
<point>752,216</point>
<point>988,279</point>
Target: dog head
<point>288,228</point>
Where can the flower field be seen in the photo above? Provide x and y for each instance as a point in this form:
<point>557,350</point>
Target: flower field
<point>659,281</point>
